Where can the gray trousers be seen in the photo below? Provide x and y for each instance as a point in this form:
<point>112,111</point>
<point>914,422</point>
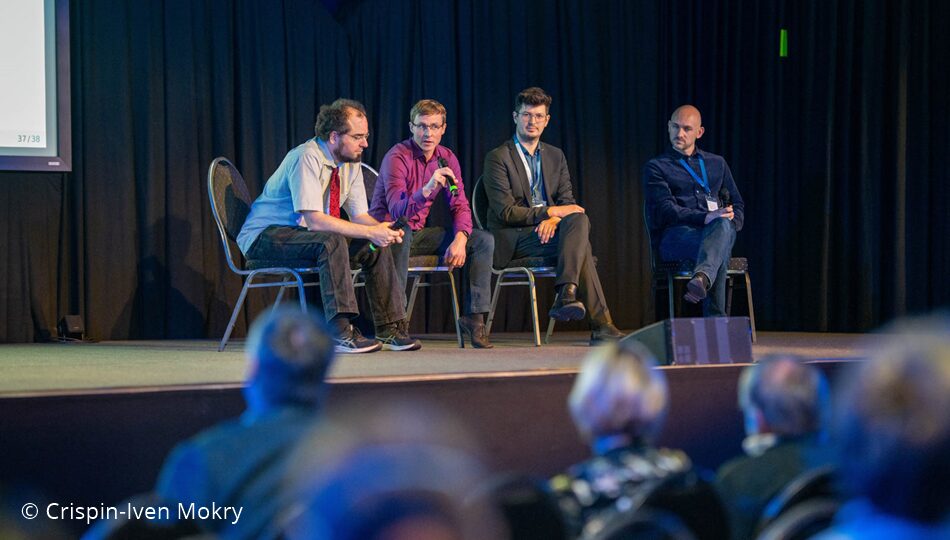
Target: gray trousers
<point>335,255</point>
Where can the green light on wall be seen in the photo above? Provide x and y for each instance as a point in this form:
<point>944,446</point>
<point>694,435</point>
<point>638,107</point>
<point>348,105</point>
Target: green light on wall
<point>783,43</point>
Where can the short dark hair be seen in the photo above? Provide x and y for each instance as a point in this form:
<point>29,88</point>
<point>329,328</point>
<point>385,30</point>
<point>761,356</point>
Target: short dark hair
<point>532,97</point>
<point>333,117</point>
<point>292,351</point>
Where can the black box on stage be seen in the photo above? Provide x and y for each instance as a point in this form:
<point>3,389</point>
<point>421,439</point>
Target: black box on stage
<point>71,326</point>
<point>701,340</point>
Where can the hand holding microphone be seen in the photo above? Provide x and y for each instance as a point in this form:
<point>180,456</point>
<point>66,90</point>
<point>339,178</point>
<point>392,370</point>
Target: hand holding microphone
<point>449,180</point>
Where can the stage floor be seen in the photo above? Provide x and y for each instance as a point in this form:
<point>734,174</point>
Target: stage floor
<point>124,366</point>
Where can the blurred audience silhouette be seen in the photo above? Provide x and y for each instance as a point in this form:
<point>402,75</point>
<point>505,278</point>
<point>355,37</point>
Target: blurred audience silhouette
<point>242,463</point>
<point>892,432</point>
<point>393,471</point>
<point>783,402</point>
<point>618,404</point>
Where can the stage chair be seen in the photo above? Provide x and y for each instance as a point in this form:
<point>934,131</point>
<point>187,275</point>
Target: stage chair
<point>665,272</point>
<point>421,267</point>
<point>522,271</point>
<point>230,205</point>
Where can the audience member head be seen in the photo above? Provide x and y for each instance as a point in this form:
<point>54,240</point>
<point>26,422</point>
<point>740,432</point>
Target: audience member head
<point>289,353</point>
<point>892,423</point>
<point>784,396</point>
<point>619,393</point>
<point>393,470</point>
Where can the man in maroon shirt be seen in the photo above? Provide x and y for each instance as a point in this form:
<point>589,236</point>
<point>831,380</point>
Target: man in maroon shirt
<point>411,176</point>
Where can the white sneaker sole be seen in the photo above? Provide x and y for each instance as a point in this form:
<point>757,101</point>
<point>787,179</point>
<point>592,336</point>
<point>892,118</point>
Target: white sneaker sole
<point>341,349</point>
<point>410,347</point>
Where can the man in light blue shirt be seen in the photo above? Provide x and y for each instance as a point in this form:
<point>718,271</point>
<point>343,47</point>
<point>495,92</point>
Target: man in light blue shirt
<point>297,222</point>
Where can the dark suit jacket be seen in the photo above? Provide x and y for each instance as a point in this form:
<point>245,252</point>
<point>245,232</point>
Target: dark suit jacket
<point>509,194</point>
<point>242,462</point>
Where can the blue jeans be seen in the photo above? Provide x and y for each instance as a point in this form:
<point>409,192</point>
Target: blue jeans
<point>711,247</point>
<point>476,273</point>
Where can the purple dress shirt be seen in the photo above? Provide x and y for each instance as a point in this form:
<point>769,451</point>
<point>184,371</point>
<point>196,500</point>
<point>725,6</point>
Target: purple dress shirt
<point>399,188</point>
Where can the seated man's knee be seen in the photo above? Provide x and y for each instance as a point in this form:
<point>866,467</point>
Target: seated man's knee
<point>481,241</point>
<point>577,219</point>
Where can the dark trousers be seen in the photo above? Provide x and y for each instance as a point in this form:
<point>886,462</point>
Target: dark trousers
<point>575,262</point>
<point>335,255</point>
<point>476,273</point>
<point>711,247</point>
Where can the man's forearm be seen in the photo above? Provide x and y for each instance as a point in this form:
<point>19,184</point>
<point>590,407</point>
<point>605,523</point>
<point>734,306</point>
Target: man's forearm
<point>320,222</point>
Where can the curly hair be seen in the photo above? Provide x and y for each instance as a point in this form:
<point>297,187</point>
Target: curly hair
<point>333,117</point>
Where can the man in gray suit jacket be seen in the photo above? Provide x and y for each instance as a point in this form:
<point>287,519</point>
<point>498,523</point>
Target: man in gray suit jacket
<point>532,213</point>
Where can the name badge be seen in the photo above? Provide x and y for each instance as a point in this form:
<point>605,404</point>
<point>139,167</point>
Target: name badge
<point>712,203</point>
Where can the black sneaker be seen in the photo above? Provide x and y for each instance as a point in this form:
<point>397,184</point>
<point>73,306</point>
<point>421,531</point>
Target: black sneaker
<point>351,341</point>
<point>394,337</point>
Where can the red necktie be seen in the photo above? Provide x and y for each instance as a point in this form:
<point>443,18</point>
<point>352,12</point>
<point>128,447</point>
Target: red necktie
<point>335,192</point>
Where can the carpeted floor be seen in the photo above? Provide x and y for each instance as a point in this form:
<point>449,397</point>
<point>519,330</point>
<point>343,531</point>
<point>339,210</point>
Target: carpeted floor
<point>56,368</point>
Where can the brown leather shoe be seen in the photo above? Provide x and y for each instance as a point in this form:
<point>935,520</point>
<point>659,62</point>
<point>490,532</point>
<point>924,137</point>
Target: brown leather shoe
<point>475,332</point>
<point>605,333</point>
<point>696,288</point>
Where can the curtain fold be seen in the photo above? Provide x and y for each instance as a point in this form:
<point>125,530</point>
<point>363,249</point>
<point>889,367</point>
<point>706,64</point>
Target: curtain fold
<point>837,148</point>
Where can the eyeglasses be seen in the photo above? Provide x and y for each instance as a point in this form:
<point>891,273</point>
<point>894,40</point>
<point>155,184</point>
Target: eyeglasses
<point>537,117</point>
<point>358,138</point>
<point>422,128</point>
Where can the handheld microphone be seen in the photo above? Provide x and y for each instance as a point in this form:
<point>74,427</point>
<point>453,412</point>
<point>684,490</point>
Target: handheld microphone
<point>448,179</point>
<point>394,226</point>
<point>725,196</point>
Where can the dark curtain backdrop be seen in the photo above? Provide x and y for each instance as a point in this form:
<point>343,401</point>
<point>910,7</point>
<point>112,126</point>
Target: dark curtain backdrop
<point>837,149</point>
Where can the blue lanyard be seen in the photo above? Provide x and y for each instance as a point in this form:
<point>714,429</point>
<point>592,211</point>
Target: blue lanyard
<point>703,182</point>
<point>534,161</point>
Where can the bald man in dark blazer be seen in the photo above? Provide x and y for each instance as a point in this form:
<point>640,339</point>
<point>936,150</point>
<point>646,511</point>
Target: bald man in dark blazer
<point>532,213</point>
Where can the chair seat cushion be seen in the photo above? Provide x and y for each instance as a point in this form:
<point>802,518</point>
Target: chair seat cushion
<point>424,261</point>
<point>736,264</point>
<point>532,262</point>
<point>297,264</point>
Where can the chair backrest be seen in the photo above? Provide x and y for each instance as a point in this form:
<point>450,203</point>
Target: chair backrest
<point>230,203</point>
<point>642,524</point>
<point>480,204</point>
<point>803,521</point>
<point>529,510</point>
<point>370,175</point>
<point>692,499</point>
<point>812,484</point>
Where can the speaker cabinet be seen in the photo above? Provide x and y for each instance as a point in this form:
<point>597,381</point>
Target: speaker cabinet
<point>700,340</point>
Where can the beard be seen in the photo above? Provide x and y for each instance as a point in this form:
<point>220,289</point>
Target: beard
<point>342,157</point>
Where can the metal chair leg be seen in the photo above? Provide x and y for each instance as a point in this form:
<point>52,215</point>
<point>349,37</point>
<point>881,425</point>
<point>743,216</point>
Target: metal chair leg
<point>748,293</point>
<point>669,288</point>
<point>455,311</point>
<point>494,303</point>
<point>547,337</point>
<point>534,310</point>
<point>234,314</point>
<point>411,302</point>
